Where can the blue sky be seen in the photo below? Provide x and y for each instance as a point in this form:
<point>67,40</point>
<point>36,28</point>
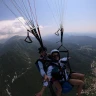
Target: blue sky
<point>79,16</point>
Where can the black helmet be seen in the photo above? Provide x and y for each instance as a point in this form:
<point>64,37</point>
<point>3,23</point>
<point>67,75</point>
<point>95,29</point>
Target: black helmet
<point>42,49</point>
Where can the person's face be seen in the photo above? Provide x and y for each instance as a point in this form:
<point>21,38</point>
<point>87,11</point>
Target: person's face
<point>55,56</point>
<point>43,53</point>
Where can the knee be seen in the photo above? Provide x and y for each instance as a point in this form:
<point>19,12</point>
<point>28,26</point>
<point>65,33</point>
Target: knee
<point>83,75</point>
<point>81,83</point>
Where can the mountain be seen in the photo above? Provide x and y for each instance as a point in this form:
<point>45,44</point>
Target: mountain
<point>82,40</point>
<point>2,41</point>
<point>15,43</point>
<point>0,46</point>
<point>18,72</point>
<point>15,58</point>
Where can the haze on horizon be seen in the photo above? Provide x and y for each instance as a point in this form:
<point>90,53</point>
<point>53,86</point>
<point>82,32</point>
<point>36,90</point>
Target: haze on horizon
<point>79,18</point>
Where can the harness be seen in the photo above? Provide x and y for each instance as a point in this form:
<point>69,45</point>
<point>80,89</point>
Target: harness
<point>46,64</point>
<point>58,72</point>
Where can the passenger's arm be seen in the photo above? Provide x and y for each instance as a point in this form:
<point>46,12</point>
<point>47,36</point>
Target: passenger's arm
<point>42,72</point>
<point>49,71</point>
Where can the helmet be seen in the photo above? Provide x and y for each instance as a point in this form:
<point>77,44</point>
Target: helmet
<point>54,51</point>
<point>42,49</point>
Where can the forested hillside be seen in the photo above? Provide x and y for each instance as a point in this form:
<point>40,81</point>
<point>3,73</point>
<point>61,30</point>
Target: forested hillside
<point>18,73</point>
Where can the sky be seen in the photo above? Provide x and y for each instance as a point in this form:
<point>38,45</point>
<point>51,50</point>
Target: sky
<point>77,16</point>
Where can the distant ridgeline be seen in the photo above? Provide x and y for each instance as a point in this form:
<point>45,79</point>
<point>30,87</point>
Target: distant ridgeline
<point>17,57</point>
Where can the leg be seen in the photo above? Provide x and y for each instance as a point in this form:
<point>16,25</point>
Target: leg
<point>77,76</point>
<point>78,83</point>
<point>58,87</point>
<point>41,92</point>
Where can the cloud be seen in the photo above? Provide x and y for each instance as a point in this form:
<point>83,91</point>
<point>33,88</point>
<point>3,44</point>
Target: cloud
<point>41,27</point>
<point>48,30</point>
<point>80,26</point>
<point>10,28</point>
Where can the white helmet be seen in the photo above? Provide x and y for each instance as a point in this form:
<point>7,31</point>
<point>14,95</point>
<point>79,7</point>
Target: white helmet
<point>54,51</point>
